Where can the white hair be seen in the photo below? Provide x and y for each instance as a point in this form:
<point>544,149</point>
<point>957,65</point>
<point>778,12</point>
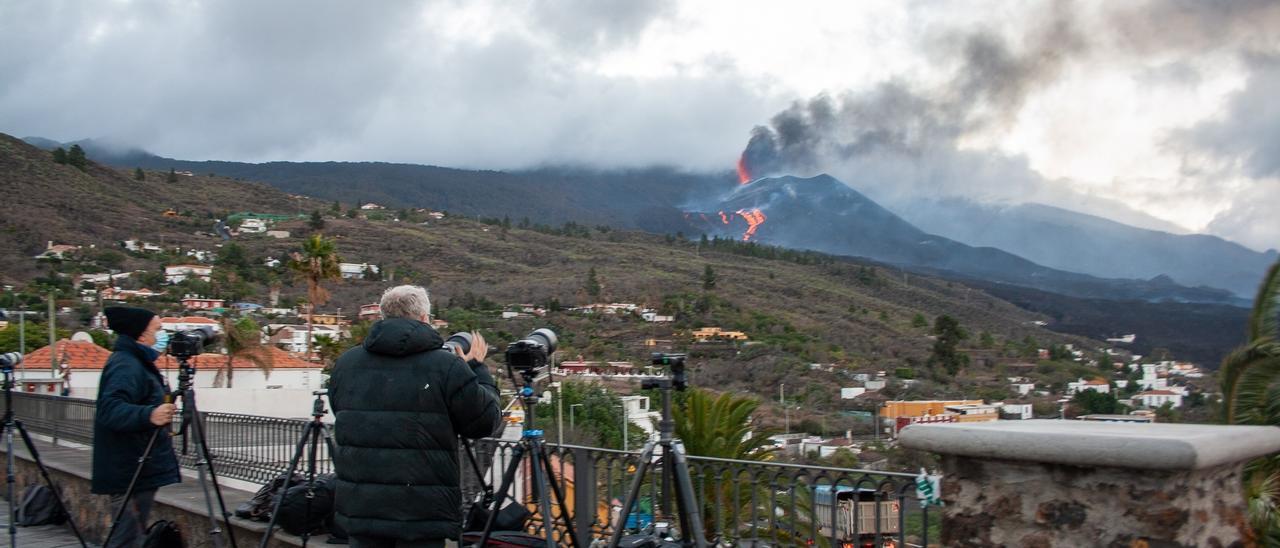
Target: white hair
<point>405,301</point>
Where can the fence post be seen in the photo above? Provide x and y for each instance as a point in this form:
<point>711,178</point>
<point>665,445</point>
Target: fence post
<point>584,493</point>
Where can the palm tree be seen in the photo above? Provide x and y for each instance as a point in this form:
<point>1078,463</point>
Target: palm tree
<point>721,427</point>
<point>244,341</point>
<point>1251,395</point>
<point>316,264</point>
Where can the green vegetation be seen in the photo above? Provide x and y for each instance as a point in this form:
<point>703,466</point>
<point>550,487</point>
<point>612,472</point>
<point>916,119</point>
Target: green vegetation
<point>1251,395</point>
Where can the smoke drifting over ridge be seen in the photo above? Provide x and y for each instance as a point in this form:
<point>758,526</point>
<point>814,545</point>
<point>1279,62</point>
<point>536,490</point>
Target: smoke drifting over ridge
<point>901,142</point>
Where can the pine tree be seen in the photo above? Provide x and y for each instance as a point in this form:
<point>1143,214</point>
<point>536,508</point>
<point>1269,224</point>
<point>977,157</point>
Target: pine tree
<point>708,278</point>
<point>172,177</point>
<point>949,334</point>
<point>76,158</point>
<point>336,208</point>
<point>317,221</point>
<point>138,174</point>
<point>593,284</point>
<point>60,155</point>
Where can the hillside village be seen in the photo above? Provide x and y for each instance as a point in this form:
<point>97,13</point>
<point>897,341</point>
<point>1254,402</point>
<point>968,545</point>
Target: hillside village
<point>233,273</point>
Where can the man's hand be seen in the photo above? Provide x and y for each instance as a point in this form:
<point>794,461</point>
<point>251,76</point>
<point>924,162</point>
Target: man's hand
<point>163,414</point>
<point>479,348</point>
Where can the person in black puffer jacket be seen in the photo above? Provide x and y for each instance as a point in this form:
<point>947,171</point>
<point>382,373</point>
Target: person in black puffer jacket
<point>131,406</point>
<point>400,400</point>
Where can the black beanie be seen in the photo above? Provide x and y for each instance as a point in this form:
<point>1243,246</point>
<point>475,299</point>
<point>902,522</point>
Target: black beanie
<point>127,320</point>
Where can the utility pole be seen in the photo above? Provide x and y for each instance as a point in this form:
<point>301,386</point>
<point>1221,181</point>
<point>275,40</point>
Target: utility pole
<point>625,446</point>
<point>53,337</point>
<point>22,335</point>
<point>559,412</point>
<point>571,406</point>
<point>782,399</point>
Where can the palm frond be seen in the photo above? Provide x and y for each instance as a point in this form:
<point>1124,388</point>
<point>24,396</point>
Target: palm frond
<point>1239,365</point>
<point>1263,321</point>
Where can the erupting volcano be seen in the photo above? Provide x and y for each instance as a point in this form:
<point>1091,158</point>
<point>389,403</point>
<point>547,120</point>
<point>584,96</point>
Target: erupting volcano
<point>754,218</point>
<point>744,175</point>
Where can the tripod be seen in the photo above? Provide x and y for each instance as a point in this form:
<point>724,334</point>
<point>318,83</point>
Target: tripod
<point>204,463</point>
<point>531,447</point>
<point>674,462</point>
<point>10,424</point>
<point>311,435</point>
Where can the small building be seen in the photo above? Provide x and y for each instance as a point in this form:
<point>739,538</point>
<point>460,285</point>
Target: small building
<point>356,270</point>
<point>197,302</point>
<point>370,312</point>
<point>293,338</point>
<point>371,206</point>
<point>181,272</point>
<point>253,226</point>
<point>1153,399</point>
<point>116,294</point>
<point>74,357</point>
<point>1016,411</point>
<point>278,234</point>
<point>1098,385</point>
<point>59,251</point>
<point>707,334</point>
<point>654,317</point>
<point>185,323</point>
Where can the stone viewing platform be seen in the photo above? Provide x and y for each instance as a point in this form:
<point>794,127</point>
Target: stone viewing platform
<point>1077,483</point>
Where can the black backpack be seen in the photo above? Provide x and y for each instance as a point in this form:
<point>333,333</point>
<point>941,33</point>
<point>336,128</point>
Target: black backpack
<point>163,534</point>
<point>263,502</point>
<point>295,515</point>
<point>39,506</point>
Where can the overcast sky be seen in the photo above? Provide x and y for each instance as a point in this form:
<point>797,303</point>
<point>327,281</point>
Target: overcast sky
<point>1165,106</point>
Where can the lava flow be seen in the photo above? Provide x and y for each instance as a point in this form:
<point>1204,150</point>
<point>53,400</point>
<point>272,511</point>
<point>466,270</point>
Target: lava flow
<point>724,218</point>
<point>754,218</point>
<point>744,175</point>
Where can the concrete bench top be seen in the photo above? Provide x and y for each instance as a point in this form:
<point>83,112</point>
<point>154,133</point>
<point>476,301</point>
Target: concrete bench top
<point>1091,443</point>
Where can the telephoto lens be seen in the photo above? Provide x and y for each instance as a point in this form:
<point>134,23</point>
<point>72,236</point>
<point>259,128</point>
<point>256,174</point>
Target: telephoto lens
<point>460,341</point>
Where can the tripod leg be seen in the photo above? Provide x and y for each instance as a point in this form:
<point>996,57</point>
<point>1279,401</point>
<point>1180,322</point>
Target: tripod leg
<point>44,473</point>
<point>555,490</point>
<point>133,484</point>
<point>539,487</point>
<point>311,478</point>
<point>508,477</point>
<point>288,475</point>
<point>9,478</point>
<point>686,498</point>
<point>632,494</point>
<point>202,452</point>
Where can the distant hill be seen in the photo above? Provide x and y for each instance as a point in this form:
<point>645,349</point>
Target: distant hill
<point>823,214</point>
<point>656,200</point>
<point>1076,242</point>
<point>804,306</point>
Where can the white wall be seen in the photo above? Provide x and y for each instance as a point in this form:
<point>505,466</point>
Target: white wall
<point>84,383</point>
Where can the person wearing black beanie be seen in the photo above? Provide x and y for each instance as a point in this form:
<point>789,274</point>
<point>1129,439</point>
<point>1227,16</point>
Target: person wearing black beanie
<point>131,405</point>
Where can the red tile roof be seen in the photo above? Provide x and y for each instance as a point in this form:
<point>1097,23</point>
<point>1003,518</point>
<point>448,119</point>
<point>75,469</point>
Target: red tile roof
<point>189,319</point>
<point>78,355</point>
<point>212,360</point>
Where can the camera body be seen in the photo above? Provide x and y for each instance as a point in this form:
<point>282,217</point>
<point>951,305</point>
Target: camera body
<point>460,341</point>
<point>675,363</point>
<point>191,342</point>
<point>531,353</point>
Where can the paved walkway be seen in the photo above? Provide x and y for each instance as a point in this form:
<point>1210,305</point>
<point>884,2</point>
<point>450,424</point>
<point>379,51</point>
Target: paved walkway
<point>43,536</point>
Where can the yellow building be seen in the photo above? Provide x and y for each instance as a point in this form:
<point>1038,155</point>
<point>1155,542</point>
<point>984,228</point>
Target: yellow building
<point>892,410</point>
<point>716,334</point>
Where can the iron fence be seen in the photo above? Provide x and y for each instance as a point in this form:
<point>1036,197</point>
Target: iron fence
<point>743,503</point>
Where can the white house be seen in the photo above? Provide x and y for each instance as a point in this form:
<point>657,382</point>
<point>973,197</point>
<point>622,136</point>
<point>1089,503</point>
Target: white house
<point>356,270</point>
<point>653,316</point>
<point>1156,398</point>
<point>180,272</point>
<point>174,325</point>
<point>1023,388</point>
<point>293,338</point>
<point>371,206</point>
<point>1098,385</point>
<point>1016,411</point>
<point>253,226</point>
<point>638,413</point>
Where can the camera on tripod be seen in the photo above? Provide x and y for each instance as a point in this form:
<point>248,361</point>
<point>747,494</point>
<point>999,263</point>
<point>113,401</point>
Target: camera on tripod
<point>673,362</point>
<point>191,342</point>
<point>8,360</point>
<point>530,353</point>
<point>461,342</point>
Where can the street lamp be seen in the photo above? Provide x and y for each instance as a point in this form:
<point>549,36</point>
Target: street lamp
<point>571,406</point>
<point>625,446</point>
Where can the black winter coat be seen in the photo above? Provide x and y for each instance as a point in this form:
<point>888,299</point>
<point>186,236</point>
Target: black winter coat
<point>399,402</point>
<point>131,387</point>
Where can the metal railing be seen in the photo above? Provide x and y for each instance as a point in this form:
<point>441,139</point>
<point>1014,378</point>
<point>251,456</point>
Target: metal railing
<point>744,503</point>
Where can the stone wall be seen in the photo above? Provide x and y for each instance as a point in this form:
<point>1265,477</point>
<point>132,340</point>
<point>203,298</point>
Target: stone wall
<point>1010,503</point>
<point>1077,483</point>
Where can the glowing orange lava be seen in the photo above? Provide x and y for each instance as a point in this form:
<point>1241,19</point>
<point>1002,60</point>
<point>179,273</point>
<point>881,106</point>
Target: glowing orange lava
<point>744,175</point>
<point>754,219</point>
<point>724,218</point>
